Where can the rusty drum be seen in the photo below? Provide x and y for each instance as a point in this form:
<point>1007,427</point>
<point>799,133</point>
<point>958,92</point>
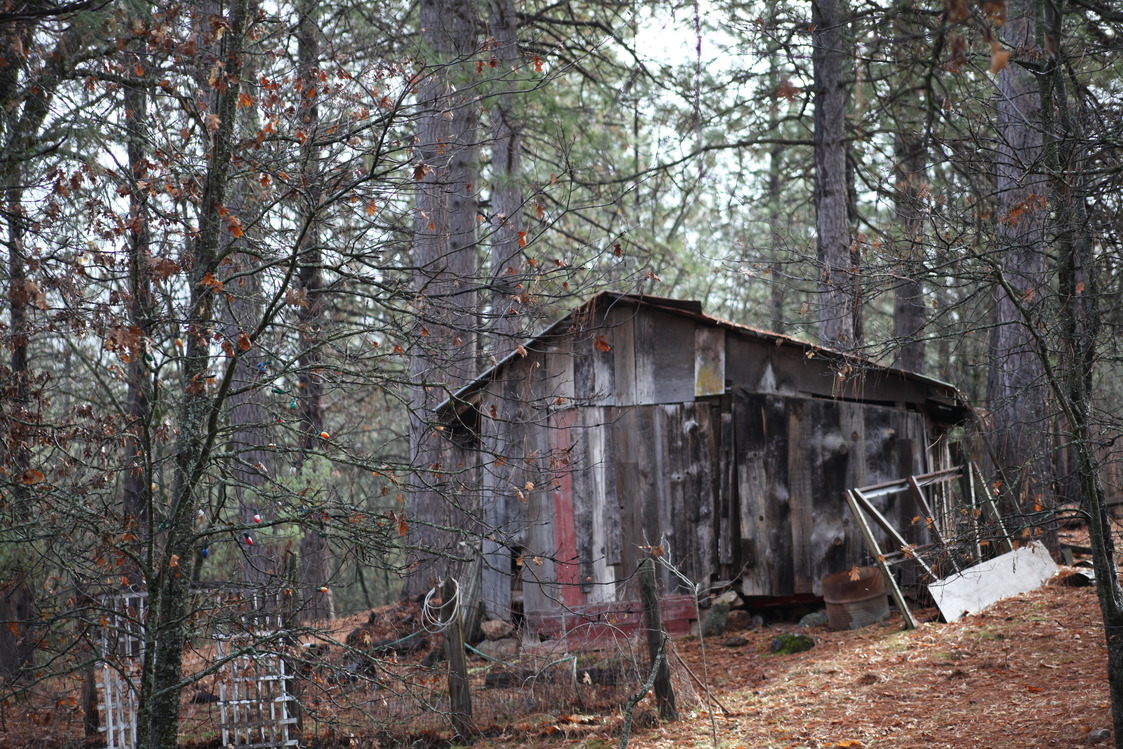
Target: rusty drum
<point>855,603</point>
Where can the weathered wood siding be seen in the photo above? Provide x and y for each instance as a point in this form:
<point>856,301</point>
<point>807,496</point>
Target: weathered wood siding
<point>633,428</point>
<point>795,457</point>
<point>666,466</point>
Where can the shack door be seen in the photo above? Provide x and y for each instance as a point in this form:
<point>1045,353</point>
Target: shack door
<point>794,458</point>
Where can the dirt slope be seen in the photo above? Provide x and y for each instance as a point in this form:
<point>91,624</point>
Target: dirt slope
<point>1029,672</point>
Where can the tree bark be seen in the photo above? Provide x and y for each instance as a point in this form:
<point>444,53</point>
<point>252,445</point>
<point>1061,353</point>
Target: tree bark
<point>838,303</point>
<point>656,641</point>
<point>168,585</point>
<point>1017,390</point>
<point>26,102</point>
<point>1065,157</point>
<point>909,312</point>
<point>444,350</point>
<point>137,483</point>
<point>909,157</point>
<point>774,200</point>
<point>315,554</point>
<point>510,297</point>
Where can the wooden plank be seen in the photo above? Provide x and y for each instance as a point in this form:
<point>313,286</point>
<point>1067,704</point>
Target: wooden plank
<point>835,458</point>
<point>673,356</point>
<point>613,524</point>
<point>693,508</point>
<point>726,515</point>
<point>539,577</point>
<point>583,498</point>
<point>748,365</point>
<point>496,483</point>
<point>757,555</point>
<point>643,341</point>
<point>761,434</point>
<point>709,361</point>
<point>557,380</point>
<point>659,528</point>
<point>625,434</point>
<point>603,359</point>
<point>673,515</point>
<point>851,426</point>
<point>599,580</point>
<point>526,425</point>
<point>584,375</point>
<point>804,484</point>
<point>566,571</point>
<point>977,587</point>
<point>621,319</point>
<point>774,435</point>
<point>706,459</point>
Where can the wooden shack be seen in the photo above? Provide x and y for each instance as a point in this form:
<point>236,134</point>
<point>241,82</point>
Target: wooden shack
<point>640,426</point>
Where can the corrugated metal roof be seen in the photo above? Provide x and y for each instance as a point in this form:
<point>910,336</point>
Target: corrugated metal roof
<point>693,310</point>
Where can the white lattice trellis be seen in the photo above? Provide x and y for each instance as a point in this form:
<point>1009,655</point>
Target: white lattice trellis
<point>254,702</point>
<point>121,651</point>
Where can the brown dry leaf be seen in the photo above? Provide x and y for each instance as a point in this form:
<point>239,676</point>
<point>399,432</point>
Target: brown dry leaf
<point>999,58</point>
<point>955,10</point>
<point>33,294</point>
<point>162,268</point>
<point>995,11</point>
<point>788,90</point>
<point>31,476</point>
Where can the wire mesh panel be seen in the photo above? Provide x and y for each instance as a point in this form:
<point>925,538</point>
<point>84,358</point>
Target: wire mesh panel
<point>255,705</point>
<point>121,652</point>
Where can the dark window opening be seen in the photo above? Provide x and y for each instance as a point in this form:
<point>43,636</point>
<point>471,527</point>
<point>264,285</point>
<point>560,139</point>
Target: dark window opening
<point>462,427</point>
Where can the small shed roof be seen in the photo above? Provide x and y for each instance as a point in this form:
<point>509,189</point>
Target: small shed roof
<point>946,401</point>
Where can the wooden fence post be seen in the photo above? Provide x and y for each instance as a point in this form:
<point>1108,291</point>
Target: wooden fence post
<point>459,695</point>
<point>656,641</point>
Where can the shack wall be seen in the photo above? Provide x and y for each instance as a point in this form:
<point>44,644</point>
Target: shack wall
<point>636,429</point>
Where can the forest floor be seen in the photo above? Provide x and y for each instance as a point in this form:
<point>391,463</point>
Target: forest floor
<point>1029,671</point>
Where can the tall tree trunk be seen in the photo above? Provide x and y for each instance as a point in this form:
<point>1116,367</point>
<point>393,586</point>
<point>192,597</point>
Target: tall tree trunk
<point>24,105</point>
<point>774,197</point>
<point>909,157</point>
<point>315,556</point>
<point>1017,390</point>
<point>264,563</point>
<point>16,598</point>
<point>1065,157</point>
<point>137,482</point>
<point>510,297</point>
<point>908,296</point>
<point>838,271</point>
<point>168,595</point>
<point>513,304</point>
<point>446,267</point>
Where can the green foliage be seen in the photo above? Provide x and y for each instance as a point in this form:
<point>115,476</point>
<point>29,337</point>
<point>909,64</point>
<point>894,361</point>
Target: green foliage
<point>787,644</point>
